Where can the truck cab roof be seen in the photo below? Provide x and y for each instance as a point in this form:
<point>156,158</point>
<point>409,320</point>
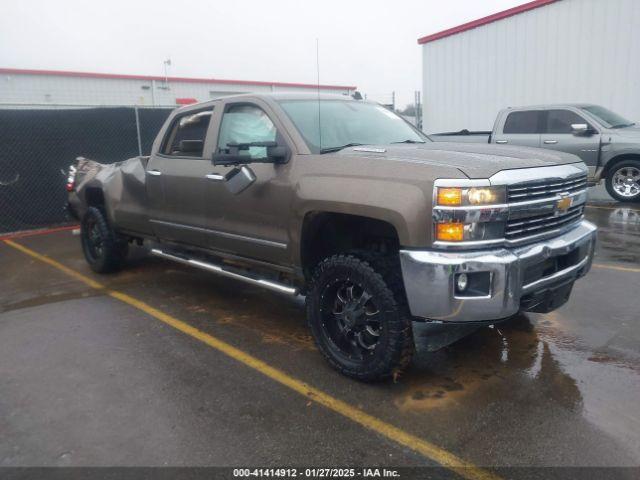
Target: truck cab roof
<point>270,97</point>
<point>550,106</point>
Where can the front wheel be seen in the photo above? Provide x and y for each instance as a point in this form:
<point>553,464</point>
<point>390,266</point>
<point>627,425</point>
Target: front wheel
<point>623,182</point>
<point>103,249</point>
<point>359,319</point>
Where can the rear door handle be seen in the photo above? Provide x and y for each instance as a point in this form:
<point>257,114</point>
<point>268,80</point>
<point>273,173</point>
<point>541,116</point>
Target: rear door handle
<point>502,141</point>
<point>155,173</point>
<point>551,142</point>
<point>216,177</point>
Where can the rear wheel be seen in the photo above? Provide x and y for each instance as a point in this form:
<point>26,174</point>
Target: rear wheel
<point>359,319</point>
<point>623,181</point>
<point>103,249</point>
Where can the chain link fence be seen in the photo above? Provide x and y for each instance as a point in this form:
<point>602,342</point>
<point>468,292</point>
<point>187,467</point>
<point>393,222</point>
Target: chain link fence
<point>39,144</point>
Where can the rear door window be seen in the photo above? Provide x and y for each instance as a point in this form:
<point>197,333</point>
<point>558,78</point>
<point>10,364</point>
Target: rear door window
<point>187,134</point>
<point>522,122</point>
<point>560,121</point>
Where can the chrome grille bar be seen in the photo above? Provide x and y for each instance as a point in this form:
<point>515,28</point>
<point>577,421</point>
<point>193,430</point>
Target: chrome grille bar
<point>535,190</point>
<point>525,228</point>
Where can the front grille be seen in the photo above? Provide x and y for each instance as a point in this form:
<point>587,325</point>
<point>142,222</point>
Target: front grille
<point>522,228</point>
<point>544,189</point>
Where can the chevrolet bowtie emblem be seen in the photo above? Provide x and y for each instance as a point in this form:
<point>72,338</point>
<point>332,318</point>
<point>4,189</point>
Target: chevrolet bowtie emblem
<point>563,204</point>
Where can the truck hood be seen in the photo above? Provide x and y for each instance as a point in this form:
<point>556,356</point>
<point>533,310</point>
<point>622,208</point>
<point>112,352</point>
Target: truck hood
<point>474,160</point>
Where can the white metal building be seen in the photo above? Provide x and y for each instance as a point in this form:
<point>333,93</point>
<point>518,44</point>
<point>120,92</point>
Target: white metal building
<point>545,51</point>
<point>45,87</point>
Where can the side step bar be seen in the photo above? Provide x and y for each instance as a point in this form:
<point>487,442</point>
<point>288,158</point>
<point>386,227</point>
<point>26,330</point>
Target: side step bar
<point>210,267</point>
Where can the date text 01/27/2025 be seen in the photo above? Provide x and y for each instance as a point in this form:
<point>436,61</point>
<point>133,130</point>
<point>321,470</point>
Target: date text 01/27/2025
<point>315,473</point>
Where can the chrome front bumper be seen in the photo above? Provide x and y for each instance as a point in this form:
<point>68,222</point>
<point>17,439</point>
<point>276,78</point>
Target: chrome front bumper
<point>429,276</point>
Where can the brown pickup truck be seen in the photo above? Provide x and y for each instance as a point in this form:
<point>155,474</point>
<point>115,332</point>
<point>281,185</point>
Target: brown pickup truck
<point>340,200</point>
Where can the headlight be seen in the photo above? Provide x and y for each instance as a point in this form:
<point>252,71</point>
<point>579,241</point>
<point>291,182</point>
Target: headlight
<point>464,196</point>
<point>472,213</point>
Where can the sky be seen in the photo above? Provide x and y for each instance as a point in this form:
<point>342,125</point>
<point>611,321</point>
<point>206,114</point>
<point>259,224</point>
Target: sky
<point>370,43</point>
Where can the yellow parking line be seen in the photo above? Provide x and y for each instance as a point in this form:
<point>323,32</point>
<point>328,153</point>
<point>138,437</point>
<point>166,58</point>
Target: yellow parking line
<point>53,263</point>
<point>616,267</point>
<point>425,448</point>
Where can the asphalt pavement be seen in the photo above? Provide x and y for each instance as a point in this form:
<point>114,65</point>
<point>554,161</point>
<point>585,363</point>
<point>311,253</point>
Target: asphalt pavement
<point>115,375</point>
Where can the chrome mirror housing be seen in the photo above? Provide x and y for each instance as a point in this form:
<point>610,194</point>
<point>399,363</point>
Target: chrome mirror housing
<point>239,179</point>
<point>580,128</point>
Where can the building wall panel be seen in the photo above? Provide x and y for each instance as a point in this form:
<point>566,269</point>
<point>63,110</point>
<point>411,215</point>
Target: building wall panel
<point>567,51</point>
<point>44,89</point>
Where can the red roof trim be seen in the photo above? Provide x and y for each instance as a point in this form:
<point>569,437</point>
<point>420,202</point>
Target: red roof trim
<point>116,76</point>
<point>485,20</point>
<point>185,101</point>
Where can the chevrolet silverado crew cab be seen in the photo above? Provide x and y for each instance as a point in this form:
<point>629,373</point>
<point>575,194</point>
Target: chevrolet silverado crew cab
<point>384,231</point>
<point>607,143</point>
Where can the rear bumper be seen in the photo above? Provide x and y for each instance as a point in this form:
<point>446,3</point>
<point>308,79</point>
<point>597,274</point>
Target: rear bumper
<point>536,277</point>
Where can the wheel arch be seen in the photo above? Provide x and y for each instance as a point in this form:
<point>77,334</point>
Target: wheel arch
<point>326,233</point>
<point>94,197</point>
<point>613,161</point>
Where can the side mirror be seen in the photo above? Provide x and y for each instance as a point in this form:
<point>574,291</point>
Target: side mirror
<point>226,159</point>
<point>579,129</point>
<point>238,153</point>
<point>277,154</point>
<point>239,179</point>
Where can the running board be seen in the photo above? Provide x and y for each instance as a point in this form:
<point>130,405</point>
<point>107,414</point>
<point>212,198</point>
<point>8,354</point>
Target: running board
<point>210,267</point>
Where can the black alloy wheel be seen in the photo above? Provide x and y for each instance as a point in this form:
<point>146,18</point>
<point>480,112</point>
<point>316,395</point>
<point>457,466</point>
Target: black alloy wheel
<point>103,249</point>
<point>358,316</point>
<point>351,318</point>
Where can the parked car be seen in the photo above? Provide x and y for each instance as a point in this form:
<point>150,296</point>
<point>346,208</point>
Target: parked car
<point>383,231</point>
<point>608,143</point>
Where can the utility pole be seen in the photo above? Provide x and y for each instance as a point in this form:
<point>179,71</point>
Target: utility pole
<point>393,100</point>
<point>167,64</point>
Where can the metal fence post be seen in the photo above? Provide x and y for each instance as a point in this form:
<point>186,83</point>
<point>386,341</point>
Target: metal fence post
<point>135,108</point>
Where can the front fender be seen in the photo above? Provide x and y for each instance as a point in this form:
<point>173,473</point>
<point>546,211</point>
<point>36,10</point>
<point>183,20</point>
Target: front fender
<point>403,205</point>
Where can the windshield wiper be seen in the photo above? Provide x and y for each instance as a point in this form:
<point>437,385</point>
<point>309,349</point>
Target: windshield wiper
<point>337,149</point>
<point>623,125</point>
<point>410,141</point>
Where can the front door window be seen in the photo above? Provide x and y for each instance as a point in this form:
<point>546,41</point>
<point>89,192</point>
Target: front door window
<point>245,124</point>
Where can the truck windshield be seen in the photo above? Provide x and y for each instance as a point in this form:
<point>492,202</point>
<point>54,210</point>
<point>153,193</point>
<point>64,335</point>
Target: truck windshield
<point>347,123</point>
<point>608,118</point>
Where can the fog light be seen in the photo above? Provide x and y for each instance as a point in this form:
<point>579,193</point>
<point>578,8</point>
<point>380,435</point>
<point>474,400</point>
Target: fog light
<point>462,282</point>
<point>472,284</point>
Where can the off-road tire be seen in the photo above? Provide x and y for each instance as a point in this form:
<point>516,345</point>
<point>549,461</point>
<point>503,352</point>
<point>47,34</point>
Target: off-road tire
<point>111,255</point>
<point>381,277</point>
<point>609,182</point>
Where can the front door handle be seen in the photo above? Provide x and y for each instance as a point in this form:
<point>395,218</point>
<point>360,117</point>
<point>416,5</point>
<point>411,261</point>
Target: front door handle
<point>216,177</point>
<point>551,142</point>
<point>501,142</point>
<point>155,173</point>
